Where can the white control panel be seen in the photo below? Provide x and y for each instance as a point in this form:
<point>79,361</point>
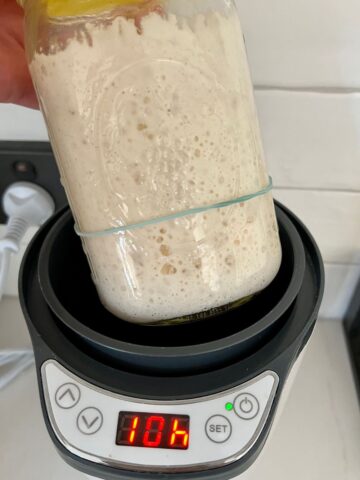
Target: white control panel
<point>136,434</point>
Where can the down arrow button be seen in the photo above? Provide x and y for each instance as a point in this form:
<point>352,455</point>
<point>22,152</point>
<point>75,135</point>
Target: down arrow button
<point>89,421</point>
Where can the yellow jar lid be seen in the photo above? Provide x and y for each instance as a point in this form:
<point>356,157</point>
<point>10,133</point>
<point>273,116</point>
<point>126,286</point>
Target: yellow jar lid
<point>69,8</point>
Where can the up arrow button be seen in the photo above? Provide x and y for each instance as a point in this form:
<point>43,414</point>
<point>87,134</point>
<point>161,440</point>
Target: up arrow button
<point>67,396</point>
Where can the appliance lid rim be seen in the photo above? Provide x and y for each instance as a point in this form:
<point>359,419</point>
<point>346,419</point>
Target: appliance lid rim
<point>92,336</point>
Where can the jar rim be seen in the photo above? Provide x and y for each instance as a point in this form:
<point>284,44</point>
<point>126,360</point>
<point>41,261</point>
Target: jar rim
<point>68,8</point>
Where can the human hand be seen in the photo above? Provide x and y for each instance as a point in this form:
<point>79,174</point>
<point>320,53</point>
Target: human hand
<point>15,82</point>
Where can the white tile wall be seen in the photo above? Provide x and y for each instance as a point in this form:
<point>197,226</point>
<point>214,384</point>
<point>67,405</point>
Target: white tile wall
<point>312,140</point>
<point>332,217</point>
<point>305,60</point>
<point>303,43</point>
<point>341,281</point>
<point>17,123</point>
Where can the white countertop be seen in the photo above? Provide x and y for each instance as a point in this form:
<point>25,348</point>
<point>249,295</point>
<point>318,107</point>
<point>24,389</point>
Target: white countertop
<point>317,436</point>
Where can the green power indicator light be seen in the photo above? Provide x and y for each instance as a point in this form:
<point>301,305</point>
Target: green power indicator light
<point>229,406</point>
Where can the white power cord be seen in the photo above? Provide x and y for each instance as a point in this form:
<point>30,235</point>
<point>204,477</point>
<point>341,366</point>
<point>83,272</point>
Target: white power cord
<point>12,363</point>
<point>26,204</point>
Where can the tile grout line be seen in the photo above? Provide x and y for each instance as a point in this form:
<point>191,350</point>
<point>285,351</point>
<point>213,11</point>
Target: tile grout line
<point>342,264</point>
<point>312,89</point>
<point>316,189</point>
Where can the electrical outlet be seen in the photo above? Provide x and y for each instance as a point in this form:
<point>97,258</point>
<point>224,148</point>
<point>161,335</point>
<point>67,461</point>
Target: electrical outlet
<point>30,162</point>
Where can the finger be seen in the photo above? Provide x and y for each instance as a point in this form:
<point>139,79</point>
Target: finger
<point>15,81</point>
<point>29,100</point>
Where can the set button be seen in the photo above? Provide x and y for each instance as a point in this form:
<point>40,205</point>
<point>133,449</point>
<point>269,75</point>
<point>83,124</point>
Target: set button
<point>218,429</point>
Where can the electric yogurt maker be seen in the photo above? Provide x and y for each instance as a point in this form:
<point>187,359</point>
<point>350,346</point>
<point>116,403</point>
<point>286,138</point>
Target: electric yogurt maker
<point>123,401</point>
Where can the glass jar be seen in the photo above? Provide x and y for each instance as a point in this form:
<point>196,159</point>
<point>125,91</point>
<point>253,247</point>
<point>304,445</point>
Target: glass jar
<point>150,111</point>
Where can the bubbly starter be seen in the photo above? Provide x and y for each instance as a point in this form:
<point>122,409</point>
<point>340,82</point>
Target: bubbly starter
<point>149,123</point>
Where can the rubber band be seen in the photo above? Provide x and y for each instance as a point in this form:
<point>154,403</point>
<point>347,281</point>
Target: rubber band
<point>174,216</point>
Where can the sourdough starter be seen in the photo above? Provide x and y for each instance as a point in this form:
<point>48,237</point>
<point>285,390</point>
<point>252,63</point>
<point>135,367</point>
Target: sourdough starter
<point>147,124</point>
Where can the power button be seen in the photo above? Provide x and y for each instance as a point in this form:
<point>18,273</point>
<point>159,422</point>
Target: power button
<point>246,406</point>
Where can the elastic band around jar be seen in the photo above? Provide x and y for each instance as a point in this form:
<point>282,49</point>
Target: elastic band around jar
<point>175,216</point>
